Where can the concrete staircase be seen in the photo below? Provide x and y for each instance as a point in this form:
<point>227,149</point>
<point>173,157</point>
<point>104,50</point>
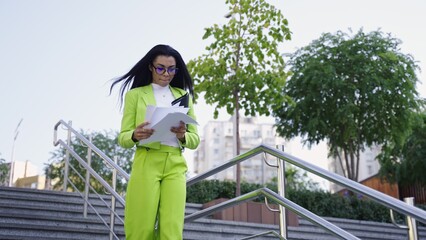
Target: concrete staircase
<point>35,214</point>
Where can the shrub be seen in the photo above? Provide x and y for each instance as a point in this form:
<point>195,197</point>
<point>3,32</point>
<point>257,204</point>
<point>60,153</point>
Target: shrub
<point>320,202</point>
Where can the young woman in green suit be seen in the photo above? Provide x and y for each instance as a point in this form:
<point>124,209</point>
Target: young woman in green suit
<point>156,192</point>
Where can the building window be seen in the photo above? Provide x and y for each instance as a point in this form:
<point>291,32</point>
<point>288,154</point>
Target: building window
<point>369,169</point>
<point>256,133</point>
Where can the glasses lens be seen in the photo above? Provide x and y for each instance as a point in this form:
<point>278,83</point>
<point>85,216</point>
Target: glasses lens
<point>172,71</point>
<point>160,70</point>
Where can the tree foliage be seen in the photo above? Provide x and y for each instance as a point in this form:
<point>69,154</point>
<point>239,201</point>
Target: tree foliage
<point>107,143</point>
<point>405,163</point>
<point>353,91</point>
<point>4,170</point>
<point>208,190</point>
<point>243,65</point>
<point>295,179</point>
<point>243,68</point>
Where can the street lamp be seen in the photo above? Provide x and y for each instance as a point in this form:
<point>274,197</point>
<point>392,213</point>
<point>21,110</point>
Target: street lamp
<point>12,162</point>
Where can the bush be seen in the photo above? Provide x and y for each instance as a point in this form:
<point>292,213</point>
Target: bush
<point>208,190</point>
<point>320,202</point>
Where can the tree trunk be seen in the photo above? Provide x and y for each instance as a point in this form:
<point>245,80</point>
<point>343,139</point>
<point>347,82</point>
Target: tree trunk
<point>237,120</point>
<point>237,143</point>
<point>348,165</point>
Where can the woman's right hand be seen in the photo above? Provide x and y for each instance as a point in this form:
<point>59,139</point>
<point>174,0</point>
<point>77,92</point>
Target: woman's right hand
<point>141,132</point>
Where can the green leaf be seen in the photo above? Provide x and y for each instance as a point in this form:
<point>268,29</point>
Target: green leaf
<point>352,91</point>
<point>240,56</point>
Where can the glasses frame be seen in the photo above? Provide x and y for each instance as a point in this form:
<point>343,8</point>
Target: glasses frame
<point>174,69</point>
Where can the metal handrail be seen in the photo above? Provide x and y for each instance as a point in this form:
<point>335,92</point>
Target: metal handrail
<point>115,196</point>
<point>112,164</point>
<point>281,155</point>
<point>90,145</point>
<point>376,196</point>
<point>278,199</point>
<point>87,202</point>
<point>264,234</point>
<point>411,223</point>
<point>92,172</point>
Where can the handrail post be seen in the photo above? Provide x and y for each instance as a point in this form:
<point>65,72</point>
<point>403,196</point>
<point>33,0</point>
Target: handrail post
<point>281,192</point>
<point>91,174</point>
<point>114,186</point>
<point>87,182</point>
<point>411,222</point>
<point>67,158</point>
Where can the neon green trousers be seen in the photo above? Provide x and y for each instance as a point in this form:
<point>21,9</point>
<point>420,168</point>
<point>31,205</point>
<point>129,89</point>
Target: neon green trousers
<point>156,195</point>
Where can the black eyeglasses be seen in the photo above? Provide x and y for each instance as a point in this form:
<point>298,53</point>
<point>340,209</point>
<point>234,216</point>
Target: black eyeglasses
<point>162,70</point>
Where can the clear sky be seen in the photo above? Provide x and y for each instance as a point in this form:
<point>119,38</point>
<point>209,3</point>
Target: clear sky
<point>57,57</point>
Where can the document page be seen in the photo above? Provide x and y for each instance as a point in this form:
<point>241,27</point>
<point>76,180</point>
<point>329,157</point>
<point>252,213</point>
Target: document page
<point>162,119</point>
<point>155,114</point>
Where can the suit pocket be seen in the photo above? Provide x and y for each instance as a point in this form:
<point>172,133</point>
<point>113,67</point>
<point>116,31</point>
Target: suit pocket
<point>139,161</point>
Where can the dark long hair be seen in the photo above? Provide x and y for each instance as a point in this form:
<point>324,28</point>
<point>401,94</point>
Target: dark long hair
<point>140,75</point>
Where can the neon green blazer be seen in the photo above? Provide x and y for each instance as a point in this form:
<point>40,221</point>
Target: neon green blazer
<point>135,102</point>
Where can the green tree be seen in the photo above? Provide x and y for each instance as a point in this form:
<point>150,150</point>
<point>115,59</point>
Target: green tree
<point>107,143</point>
<point>4,170</point>
<point>295,179</point>
<point>405,163</point>
<point>353,91</point>
<point>243,68</point>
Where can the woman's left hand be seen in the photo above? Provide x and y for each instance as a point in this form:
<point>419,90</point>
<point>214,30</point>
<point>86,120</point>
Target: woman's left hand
<point>180,131</point>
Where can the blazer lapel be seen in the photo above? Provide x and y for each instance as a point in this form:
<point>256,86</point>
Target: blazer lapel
<point>176,93</point>
<point>148,95</point>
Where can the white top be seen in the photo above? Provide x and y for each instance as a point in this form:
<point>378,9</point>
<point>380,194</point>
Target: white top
<point>163,98</point>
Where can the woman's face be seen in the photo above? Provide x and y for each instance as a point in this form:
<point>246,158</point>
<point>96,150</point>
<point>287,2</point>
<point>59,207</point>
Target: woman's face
<point>163,70</point>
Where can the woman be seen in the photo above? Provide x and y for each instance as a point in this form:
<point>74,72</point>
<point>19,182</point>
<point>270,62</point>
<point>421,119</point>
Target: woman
<point>157,185</point>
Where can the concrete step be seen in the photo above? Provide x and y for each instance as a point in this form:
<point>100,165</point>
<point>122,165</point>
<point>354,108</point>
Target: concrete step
<point>35,214</point>
<point>207,229</point>
<point>306,230</point>
<point>21,194</point>
<point>369,229</point>
<point>37,231</point>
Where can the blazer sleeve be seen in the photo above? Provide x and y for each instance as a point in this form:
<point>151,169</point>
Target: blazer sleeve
<point>128,120</point>
<point>192,139</point>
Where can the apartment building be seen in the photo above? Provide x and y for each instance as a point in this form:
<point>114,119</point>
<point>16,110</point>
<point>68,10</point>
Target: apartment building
<point>217,147</point>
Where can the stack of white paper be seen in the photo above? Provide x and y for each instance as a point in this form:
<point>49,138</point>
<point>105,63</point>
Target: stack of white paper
<point>162,119</point>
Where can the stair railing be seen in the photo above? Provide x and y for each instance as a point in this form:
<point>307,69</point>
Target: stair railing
<point>90,172</point>
<point>283,157</point>
<point>264,234</point>
<point>383,199</point>
<point>333,229</point>
<point>411,226</point>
